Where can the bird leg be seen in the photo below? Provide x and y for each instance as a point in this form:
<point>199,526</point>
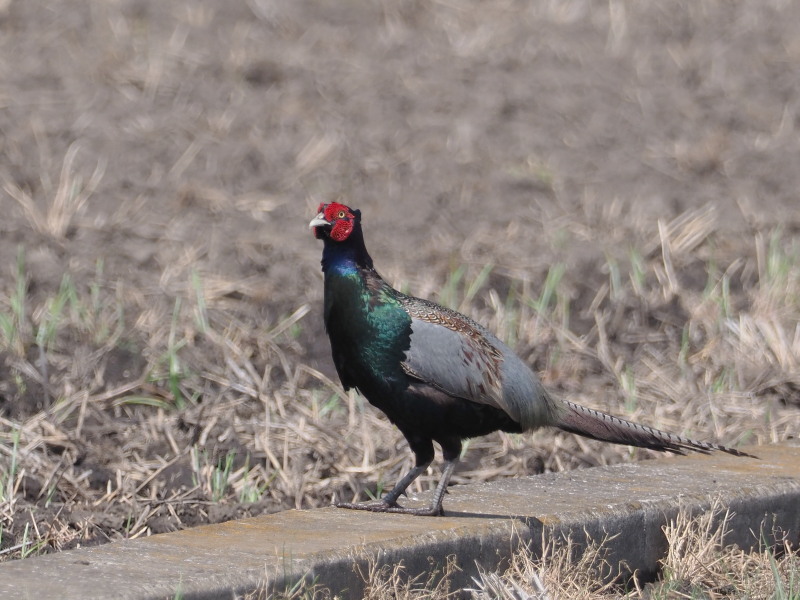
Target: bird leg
<point>389,502</point>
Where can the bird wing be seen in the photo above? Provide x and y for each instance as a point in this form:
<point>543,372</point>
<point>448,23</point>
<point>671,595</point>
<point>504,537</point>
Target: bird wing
<point>453,354</point>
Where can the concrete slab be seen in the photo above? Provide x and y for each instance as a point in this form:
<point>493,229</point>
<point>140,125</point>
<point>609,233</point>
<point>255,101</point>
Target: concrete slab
<point>483,524</point>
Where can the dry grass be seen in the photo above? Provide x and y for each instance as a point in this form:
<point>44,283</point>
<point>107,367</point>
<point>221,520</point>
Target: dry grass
<point>380,582</point>
<point>69,197</point>
<point>698,565</point>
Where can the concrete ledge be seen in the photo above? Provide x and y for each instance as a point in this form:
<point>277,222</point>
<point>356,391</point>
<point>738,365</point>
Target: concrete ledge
<point>484,524</point>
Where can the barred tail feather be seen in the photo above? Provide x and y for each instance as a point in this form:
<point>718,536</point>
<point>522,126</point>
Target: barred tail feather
<point>600,426</point>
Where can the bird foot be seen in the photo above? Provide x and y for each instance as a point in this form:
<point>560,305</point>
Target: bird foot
<point>393,507</point>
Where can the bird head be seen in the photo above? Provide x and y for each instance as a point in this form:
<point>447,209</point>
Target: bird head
<point>334,221</point>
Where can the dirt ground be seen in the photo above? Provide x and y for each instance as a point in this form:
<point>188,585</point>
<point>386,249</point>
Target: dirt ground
<point>167,157</point>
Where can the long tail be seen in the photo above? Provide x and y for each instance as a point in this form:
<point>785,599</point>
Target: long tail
<point>600,426</point>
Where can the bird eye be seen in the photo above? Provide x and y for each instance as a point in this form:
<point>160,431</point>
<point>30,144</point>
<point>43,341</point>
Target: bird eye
<point>341,214</point>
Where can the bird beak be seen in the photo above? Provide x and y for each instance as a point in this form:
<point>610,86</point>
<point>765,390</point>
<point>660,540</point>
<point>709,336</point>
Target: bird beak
<point>319,221</point>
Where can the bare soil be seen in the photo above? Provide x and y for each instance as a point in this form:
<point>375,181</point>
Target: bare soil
<point>166,157</point>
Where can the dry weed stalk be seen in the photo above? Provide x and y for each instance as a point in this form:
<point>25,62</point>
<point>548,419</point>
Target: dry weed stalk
<point>69,197</point>
<point>699,560</point>
<point>394,582</point>
<point>565,569</point>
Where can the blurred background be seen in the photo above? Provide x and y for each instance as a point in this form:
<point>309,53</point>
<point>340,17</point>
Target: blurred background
<point>612,187</point>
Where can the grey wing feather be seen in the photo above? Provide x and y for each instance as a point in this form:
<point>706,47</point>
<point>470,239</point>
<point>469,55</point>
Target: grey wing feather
<point>454,363</point>
<point>471,363</point>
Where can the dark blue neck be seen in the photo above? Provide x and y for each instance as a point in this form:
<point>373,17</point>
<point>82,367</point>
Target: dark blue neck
<point>347,256</point>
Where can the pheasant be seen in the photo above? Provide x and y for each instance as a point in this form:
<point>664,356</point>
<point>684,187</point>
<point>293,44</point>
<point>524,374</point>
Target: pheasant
<point>438,375</point>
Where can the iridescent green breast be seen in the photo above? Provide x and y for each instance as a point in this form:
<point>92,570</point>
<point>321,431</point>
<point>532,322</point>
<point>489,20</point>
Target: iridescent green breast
<point>368,327</point>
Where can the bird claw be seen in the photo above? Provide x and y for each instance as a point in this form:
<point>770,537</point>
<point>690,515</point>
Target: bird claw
<point>375,506</point>
<point>393,507</point>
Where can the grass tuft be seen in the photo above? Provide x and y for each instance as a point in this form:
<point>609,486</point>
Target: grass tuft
<point>68,198</point>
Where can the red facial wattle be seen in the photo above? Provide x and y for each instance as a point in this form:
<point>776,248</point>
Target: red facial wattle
<point>340,218</point>
<point>341,230</point>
